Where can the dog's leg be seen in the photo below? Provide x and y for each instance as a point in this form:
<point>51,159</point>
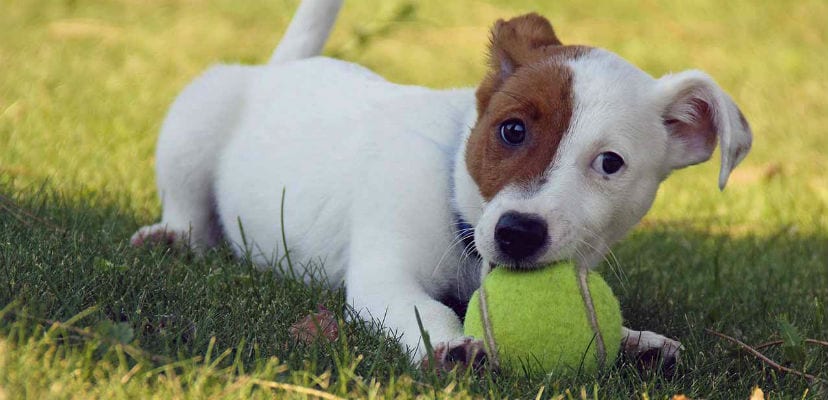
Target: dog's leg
<point>651,349</point>
<point>185,179</point>
<point>196,128</point>
<point>387,285</point>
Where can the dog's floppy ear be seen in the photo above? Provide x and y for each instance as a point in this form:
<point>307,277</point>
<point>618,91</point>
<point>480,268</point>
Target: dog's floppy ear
<point>697,113</point>
<point>517,42</point>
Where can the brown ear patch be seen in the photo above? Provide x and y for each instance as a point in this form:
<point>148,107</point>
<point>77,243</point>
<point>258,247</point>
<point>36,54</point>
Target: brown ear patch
<point>541,97</point>
<point>517,42</point>
<point>519,39</point>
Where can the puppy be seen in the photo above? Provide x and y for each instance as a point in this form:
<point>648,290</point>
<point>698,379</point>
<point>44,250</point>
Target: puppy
<point>403,192</point>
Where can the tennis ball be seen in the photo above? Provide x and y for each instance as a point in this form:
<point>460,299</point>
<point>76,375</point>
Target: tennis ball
<point>539,319</point>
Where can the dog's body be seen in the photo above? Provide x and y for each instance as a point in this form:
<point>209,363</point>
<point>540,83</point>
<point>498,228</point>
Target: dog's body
<point>384,184</point>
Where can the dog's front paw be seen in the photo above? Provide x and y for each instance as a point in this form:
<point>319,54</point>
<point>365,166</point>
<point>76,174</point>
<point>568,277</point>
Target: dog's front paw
<point>651,350</point>
<point>465,352</point>
<point>156,235</point>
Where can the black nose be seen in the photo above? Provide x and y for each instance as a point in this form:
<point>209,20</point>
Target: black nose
<point>520,235</point>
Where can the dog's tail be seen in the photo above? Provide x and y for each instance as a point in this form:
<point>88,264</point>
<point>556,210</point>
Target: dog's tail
<point>308,30</point>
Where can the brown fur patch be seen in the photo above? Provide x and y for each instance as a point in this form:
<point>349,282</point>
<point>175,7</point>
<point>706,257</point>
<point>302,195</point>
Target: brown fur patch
<point>529,81</point>
<point>519,41</point>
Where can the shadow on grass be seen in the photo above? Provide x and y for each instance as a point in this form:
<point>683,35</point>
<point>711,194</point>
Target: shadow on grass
<point>60,256</point>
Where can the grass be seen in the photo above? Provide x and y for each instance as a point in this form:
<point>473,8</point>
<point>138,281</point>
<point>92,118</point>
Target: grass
<point>83,88</point>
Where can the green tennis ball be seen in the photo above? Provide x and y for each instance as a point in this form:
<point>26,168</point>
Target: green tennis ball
<point>539,319</point>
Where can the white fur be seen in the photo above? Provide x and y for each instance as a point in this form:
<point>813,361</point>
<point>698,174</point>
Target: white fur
<point>373,175</point>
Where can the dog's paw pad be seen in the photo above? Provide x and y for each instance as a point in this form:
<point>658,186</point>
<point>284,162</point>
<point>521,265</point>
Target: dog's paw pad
<point>155,235</point>
<point>657,360</point>
<point>464,353</point>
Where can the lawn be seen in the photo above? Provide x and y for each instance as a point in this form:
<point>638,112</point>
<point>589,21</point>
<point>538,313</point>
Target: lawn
<point>84,85</point>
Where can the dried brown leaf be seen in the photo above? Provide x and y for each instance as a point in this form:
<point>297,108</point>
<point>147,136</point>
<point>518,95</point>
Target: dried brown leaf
<point>318,325</point>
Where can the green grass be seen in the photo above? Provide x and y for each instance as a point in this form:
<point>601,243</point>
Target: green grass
<point>84,85</point>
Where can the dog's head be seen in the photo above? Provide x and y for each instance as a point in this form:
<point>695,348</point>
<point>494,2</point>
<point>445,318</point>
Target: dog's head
<point>571,143</point>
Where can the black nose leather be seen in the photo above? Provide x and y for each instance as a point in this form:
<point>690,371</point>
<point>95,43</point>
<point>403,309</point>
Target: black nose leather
<point>520,235</point>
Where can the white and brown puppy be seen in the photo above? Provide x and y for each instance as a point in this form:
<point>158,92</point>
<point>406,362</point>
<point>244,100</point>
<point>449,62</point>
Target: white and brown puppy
<point>556,155</point>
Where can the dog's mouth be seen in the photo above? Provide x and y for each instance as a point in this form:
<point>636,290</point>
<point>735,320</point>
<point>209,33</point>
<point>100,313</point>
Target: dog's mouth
<point>517,265</point>
<point>528,264</point>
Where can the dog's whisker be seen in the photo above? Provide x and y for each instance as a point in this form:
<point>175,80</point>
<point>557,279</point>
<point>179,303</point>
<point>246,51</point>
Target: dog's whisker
<point>467,252</point>
<point>606,253</point>
<point>603,248</point>
<point>465,256</point>
<point>606,249</point>
<point>451,245</point>
<point>457,240</point>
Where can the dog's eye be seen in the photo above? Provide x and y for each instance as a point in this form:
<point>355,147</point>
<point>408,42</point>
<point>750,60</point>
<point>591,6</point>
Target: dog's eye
<point>608,163</point>
<point>512,132</point>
